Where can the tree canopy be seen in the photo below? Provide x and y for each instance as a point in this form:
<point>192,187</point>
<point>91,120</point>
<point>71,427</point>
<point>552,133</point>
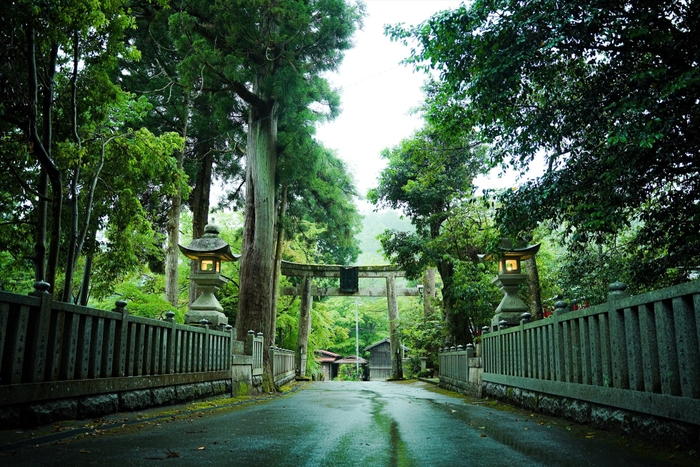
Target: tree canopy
<point>606,90</point>
<point>77,160</point>
<point>430,178</point>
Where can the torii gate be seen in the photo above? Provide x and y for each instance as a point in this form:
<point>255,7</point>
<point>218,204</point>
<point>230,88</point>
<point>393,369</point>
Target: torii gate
<point>349,287</point>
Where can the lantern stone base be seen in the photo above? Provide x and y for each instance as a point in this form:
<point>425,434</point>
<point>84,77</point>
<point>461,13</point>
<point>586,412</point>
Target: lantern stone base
<point>511,307</point>
<point>207,306</point>
<point>215,318</point>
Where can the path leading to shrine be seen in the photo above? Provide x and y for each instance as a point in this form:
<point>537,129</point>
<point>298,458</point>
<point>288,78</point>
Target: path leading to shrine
<point>346,424</point>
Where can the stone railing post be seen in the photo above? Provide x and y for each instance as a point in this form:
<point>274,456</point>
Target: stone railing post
<point>120,307</point>
<point>205,344</point>
<point>273,362</point>
<point>523,356</point>
<point>618,290</point>
<point>249,342</point>
<point>170,358</point>
<point>560,307</point>
<point>229,354</point>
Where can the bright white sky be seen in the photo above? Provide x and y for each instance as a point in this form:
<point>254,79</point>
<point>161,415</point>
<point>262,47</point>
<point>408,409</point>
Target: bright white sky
<point>378,93</point>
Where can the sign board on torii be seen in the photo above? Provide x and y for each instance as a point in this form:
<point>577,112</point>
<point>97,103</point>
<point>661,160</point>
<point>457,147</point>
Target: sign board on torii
<point>307,291</point>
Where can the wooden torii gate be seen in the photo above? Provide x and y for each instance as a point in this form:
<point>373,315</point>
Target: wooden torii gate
<point>349,287</point>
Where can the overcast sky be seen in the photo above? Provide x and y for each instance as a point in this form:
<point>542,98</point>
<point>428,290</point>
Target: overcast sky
<point>377,92</point>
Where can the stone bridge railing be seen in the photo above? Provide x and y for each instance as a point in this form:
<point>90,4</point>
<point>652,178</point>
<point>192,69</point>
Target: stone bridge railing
<point>283,365</point>
<point>52,350</point>
<point>640,354</point>
<point>460,369</point>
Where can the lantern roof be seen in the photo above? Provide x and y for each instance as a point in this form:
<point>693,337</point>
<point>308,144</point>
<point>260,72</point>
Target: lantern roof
<point>209,244</point>
<point>522,251</point>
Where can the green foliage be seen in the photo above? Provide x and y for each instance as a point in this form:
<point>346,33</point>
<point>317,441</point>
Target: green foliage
<point>424,335</point>
<point>430,178</point>
<point>348,372</point>
<point>321,211</point>
<point>606,91</point>
<point>144,297</point>
<point>16,274</point>
<point>373,323</point>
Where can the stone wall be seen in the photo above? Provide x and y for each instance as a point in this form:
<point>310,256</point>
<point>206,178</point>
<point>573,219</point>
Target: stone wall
<point>95,406</point>
<point>641,426</point>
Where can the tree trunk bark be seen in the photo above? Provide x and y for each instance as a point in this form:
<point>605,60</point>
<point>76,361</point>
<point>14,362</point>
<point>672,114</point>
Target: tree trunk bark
<point>173,227</point>
<point>73,251</point>
<point>394,338</point>
<point>42,210</point>
<point>42,151</point>
<point>304,326</point>
<point>200,211</point>
<point>257,260</point>
<point>279,248</point>
<point>533,278</point>
<point>429,292</point>
<point>84,295</point>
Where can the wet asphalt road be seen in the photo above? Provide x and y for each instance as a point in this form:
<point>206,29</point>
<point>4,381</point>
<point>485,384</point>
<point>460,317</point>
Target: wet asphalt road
<point>341,424</point>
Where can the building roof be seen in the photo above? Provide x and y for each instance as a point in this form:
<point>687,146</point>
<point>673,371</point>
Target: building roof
<point>352,359</point>
<point>325,356</point>
<point>385,340</point>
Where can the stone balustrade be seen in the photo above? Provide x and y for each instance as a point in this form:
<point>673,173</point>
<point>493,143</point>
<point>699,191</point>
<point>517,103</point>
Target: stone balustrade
<point>637,353</point>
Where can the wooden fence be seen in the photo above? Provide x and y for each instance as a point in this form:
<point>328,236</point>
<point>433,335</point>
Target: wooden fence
<point>637,353</point>
<point>52,350</point>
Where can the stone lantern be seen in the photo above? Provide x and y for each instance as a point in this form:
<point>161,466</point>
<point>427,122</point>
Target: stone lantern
<point>209,251</point>
<point>509,278</point>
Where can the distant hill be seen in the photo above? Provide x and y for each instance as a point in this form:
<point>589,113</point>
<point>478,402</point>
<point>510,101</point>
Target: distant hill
<point>374,224</point>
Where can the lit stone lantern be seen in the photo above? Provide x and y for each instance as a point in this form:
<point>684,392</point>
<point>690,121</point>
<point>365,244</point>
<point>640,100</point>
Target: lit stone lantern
<point>209,251</point>
<point>509,278</point>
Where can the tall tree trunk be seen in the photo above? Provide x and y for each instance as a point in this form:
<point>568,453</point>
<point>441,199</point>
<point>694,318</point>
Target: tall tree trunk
<point>85,285</point>
<point>42,209</point>
<point>533,279</point>
<point>200,210</point>
<point>279,248</point>
<point>173,227</point>
<point>257,261</point>
<point>304,327</point>
<point>84,294</point>
<point>394,336</point>
<point>73,251</point>
<point>429,292</point>
<point>42,151</point>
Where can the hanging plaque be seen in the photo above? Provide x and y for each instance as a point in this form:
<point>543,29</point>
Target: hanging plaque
<point>349,279</point>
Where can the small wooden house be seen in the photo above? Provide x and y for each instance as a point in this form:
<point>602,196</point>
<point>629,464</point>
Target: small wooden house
<point>380,359</point>
<point>329,365</point>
